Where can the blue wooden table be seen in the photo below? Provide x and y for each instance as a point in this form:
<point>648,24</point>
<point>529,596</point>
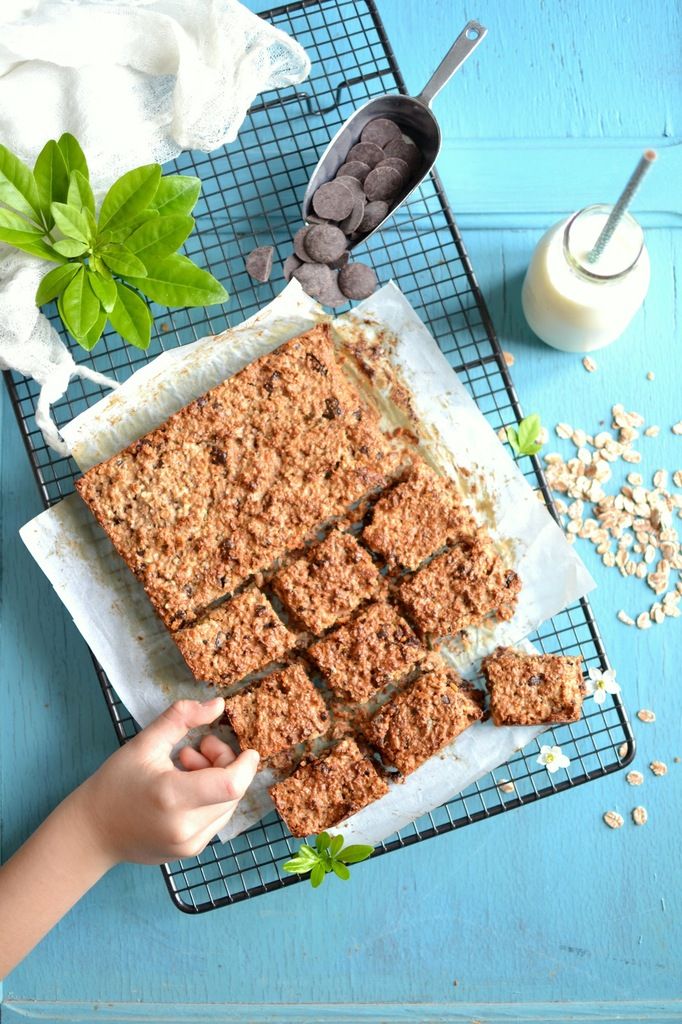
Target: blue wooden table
<point>542,914</point>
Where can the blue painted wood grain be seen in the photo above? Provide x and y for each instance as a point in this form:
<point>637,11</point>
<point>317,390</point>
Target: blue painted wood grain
<point>537,907</point>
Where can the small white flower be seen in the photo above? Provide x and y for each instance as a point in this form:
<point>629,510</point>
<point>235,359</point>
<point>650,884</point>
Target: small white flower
<point>553,758</point>
<point>601,683</point>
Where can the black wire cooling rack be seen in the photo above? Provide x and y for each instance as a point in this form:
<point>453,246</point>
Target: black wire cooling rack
<point>251,196</point>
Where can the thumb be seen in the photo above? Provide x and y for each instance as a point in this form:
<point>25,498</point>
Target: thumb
<point>172,726</point>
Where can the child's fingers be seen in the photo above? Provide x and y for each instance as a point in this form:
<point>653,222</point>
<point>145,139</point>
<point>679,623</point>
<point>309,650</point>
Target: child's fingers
<point>176,721</point>
<point>218,753</point>
<point>191,759</point>
<point>219,785</point>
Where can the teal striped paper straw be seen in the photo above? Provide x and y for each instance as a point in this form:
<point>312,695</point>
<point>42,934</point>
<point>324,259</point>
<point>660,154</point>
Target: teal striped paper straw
<point>622,204</point>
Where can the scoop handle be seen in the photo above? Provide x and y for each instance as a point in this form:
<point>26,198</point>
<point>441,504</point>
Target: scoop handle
<point>463,46</point>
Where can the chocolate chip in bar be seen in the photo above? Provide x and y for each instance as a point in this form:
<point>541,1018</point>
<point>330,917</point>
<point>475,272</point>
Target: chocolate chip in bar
<point>400,166</point>
<point>373,216</point>
<point>334,201</point>
<point>405,149</point>
<point>299,247</point>
<point>382,183</point>
<point>325,242</point>
<point>259,263</point>
<point>354,169</point>
<point>357,280</point>
<point>316,279</point>
<point>354,218</point>
<point>380,131</point>
<point>367,153</point>
<point>290,264</point>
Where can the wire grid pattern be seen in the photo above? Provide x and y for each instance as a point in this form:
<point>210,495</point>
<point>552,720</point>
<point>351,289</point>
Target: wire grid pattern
<point>251,196</point>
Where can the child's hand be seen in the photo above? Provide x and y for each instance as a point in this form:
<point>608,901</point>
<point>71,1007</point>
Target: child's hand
<point>142,808</point>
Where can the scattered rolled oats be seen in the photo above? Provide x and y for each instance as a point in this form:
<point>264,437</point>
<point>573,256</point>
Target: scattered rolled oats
<point>589,364</point>
<point>634,778</point>
<point>502,434</point>
<point>622,750</point>
<point>659,767</point>
<point>652,431</point>
<point>506,786</point>
<point>650,375</point>
<point>627,619</point>
<point>677,478</point>
<point>508,358</point>
<point>613,819</point>
<point>677,428</point>
<point>640,816</point>
<point>643,621</point>
<point>645,715</point>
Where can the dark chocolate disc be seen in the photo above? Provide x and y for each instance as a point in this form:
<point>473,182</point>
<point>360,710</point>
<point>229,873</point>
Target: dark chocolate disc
<point>354,184</point>
<point>400,166</point>
<point>325,242</point>
<point>333,201</point>
<point>332,294</point>
<point>366,153</point>
<point>357,280</point>
<point>341,262</point>
<point>290,264</point>
<point>354,169</point>
<point>352,221</point>
<point>299,247</point>
<point>373,216</point>
<point>382,183</point>
<point>380,131</point>
<point>314,278</point>
<point>259,263</point>
<point>405,149</point>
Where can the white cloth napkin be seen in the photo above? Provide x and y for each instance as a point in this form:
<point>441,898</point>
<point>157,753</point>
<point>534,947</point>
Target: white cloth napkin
<point>135,82</point>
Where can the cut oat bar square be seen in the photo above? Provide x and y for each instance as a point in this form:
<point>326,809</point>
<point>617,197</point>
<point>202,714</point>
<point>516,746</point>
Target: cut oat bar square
<point>423,718</point>
<point>533,689</point>
<point>277,712</point>
<point>417,517</point>
<point>326,790</point>
<point>461,588</point>
<point>236,638</point>
<point>329,582</point>
<point>375,648</point>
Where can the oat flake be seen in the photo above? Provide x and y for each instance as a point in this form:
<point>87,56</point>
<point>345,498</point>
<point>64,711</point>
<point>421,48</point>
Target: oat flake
<point>613,819</point>
<point>589,364</point>
<point>659,767</point>
<point>645,715</point>
<point>634,778</point>
<point>640,816</point>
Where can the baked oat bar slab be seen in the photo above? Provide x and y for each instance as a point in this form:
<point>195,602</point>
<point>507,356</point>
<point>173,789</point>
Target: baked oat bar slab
<point>422,719</point>
<point>417,517</point>
<point>277,712</point>
<point>238,477</point>
<point>461,588</point>
<point>533,689</point>
<point>326,790</point>
<point>236,638</point>
<point>376,648</point>
<point>329,582</point>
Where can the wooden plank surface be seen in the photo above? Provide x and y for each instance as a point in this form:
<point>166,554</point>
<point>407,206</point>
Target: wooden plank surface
<point>539,906</point>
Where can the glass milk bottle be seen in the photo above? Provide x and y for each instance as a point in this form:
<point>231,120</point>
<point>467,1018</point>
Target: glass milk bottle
<point>576,305</point>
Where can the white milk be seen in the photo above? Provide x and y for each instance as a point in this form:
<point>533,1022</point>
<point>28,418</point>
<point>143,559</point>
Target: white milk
<point>579,306</point>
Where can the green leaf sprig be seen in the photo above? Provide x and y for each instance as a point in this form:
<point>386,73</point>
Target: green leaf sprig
<point>328,854</point>
<point>524,437</point>
<point>109,264</point>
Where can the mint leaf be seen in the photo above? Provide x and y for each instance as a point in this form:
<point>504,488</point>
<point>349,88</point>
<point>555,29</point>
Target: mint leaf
<point>317,875</point>
<point>70,247</point>
<point>71,222</point>
<point>129,196</point>
<point>104,288</point>
<point>355,854</point>
<point>336,844</point>
<point>80,304</point>
<point>18,187</point>
<point>122,262</point>
<point>80,193</point>
<point>340,870</point>
<point>54,282</point>
<point>131,317</point>
<point>159,236</point>
<point>523,439</point>
<point>176,281</point>
<point>52,179</point>
<point>177,193</point>
<point>73,155</point>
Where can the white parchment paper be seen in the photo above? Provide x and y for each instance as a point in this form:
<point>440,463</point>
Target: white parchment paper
<point>114,616</point>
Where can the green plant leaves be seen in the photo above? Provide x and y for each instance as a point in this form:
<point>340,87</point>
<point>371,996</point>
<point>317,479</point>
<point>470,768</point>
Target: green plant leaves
<point>80,194</point>
<point>70,247</point>
<point>18,187</point>
<point>122,262</point>
<point>131,317</point>
<point>104,288</point>
<point>159,236</point>
<point>523,438</point>
<point>52,179</point>
<point>176,281</point>
<point>79,305</point>
<point>73,155</point>
<point>129,196</point>
<point>327,856</point>
<point>176,194</point>
<point>54,282</point>
<point>71,222</point>
<point>95,332</point>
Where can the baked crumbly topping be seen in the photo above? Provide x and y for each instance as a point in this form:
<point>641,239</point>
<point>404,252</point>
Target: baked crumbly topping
<point>423,718</point>
<point>237,638</point>
<point>533,689</point>
<point>329,582</point>
<point>277,712</point>
<point>376,648</point>
<point>417,517</point>
<point>238,477</point>
<point>461,588</point>
<point>326,790</point>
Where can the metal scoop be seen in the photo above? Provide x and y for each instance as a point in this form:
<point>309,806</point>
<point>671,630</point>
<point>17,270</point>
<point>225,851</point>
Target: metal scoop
<point>412,113</point>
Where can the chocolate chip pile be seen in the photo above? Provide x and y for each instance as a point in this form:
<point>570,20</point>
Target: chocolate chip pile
<point>376,175</point>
